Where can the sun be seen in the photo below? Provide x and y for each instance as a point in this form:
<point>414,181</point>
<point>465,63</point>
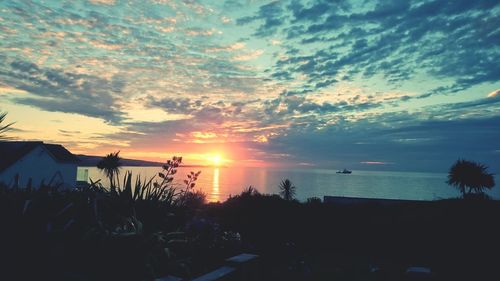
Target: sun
<point>216,159</point>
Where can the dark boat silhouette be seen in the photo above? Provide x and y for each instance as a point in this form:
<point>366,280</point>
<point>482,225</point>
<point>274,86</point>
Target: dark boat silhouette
<point>345,171</point>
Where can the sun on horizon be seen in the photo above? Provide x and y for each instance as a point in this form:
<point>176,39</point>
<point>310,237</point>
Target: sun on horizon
<point>216,159</point>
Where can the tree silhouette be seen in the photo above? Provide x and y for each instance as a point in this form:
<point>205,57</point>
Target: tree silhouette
<point>110,165</point>
<point>470,177</point>
<point>287,190</point>
<point>4,128</point>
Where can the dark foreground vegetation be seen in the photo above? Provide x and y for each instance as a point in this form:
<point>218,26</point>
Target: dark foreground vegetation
<point>457,239</point>
<point>137,230</point>
<point>76,235</point>
<point>143,230</point>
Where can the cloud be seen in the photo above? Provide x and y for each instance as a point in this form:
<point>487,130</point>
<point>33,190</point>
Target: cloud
<point>56,90</point>
<point>298,81</point>
<point>102,2</point>
<point>351,143</point>
<point>272,16</point>
<point>225,20</point>
<point>175,105</point>
<point>201,32</point>
<point>230,48</point>
<point>494,94</point>
<point>248,56</point>
<point>445,40</point>
<point>375,163</point>
<point>275,42</point>
<point>490,102</point>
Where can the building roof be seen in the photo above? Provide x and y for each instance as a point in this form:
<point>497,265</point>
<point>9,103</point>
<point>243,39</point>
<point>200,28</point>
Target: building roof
<point>12,151</point>
<point>61,154</point>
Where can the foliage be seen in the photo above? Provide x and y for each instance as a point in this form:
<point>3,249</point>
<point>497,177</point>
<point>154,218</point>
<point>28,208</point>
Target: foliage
<point>212,243</point>
<point>99,234</point>
<point>287,190</point>
<point>4,128</point>
<point>161,192</point>
<point>87,234</point>
<point>193,199</point>
<point>192,177</point>
<point>327,239</point>
<point>154,202</point>
<point>249,191</point>
<point>313,200</point>
<point>470,177</point>
<point>110,165</point>
<point>189,197</point>
<point>134,231</point>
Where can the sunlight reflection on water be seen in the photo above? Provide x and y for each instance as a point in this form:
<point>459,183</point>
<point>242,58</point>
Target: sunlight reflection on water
<point>221,182</point>
<point>215,194</point>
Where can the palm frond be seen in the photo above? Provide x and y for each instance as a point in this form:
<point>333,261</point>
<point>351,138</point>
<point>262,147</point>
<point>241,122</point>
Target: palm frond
<point>4,128</point>
<point>110,165</point>
<point>287,190</point>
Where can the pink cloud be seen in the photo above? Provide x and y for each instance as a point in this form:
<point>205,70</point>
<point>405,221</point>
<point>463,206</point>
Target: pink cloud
<point>376,163</point>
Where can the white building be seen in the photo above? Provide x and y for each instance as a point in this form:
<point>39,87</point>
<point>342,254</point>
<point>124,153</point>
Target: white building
<point>33,162</point>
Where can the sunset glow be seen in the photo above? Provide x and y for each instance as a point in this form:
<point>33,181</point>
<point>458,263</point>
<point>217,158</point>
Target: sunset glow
<point>216,160</point>
<point>250,139</point>
<point>259,83</point>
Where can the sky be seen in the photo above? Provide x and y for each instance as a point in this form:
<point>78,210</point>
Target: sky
<point>389,85</point>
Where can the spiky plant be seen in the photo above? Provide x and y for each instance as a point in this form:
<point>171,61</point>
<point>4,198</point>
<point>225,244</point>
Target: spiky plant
<point>287,190</point>
<point>470,177</point>
<point>249,192</point>
<point>4,128</point>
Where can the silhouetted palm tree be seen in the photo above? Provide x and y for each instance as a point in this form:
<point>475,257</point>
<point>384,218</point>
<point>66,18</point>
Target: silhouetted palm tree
<point>110,165</point>
<point>287,190</point>
<point>470,175</point>
<point>3,128</point>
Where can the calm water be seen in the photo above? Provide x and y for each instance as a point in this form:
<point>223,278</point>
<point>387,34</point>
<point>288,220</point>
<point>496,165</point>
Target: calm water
<point>219,183</point>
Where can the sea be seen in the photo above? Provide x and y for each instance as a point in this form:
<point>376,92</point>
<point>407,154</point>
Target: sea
<point>221,182</point>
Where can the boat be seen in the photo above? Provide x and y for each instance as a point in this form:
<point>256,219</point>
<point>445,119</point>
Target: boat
<point>345,171</point>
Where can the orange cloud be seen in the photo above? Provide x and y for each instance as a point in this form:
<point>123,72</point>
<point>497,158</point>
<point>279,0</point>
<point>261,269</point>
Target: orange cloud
<point>103,2</point>
<point>248,56</point>
<point>204,135</point>
<point>494,94</point>
<point>166,29</point>
<point>233,47</point>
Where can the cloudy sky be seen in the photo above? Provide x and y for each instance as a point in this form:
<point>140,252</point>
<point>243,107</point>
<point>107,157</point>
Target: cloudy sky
<point>398,85</point>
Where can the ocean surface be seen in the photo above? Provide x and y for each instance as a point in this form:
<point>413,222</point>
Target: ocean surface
<point>220,183</point>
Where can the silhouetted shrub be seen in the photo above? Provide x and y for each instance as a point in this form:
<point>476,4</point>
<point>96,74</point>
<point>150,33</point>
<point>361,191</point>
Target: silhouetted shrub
<point>313,200</point>
<point>193,199</point>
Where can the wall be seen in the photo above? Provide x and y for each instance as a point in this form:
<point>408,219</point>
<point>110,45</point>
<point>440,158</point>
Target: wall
<point>338,200</point>
<point>39,165</point>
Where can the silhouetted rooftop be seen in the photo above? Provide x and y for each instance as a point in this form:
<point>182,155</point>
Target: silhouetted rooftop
<point>12,151</point>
